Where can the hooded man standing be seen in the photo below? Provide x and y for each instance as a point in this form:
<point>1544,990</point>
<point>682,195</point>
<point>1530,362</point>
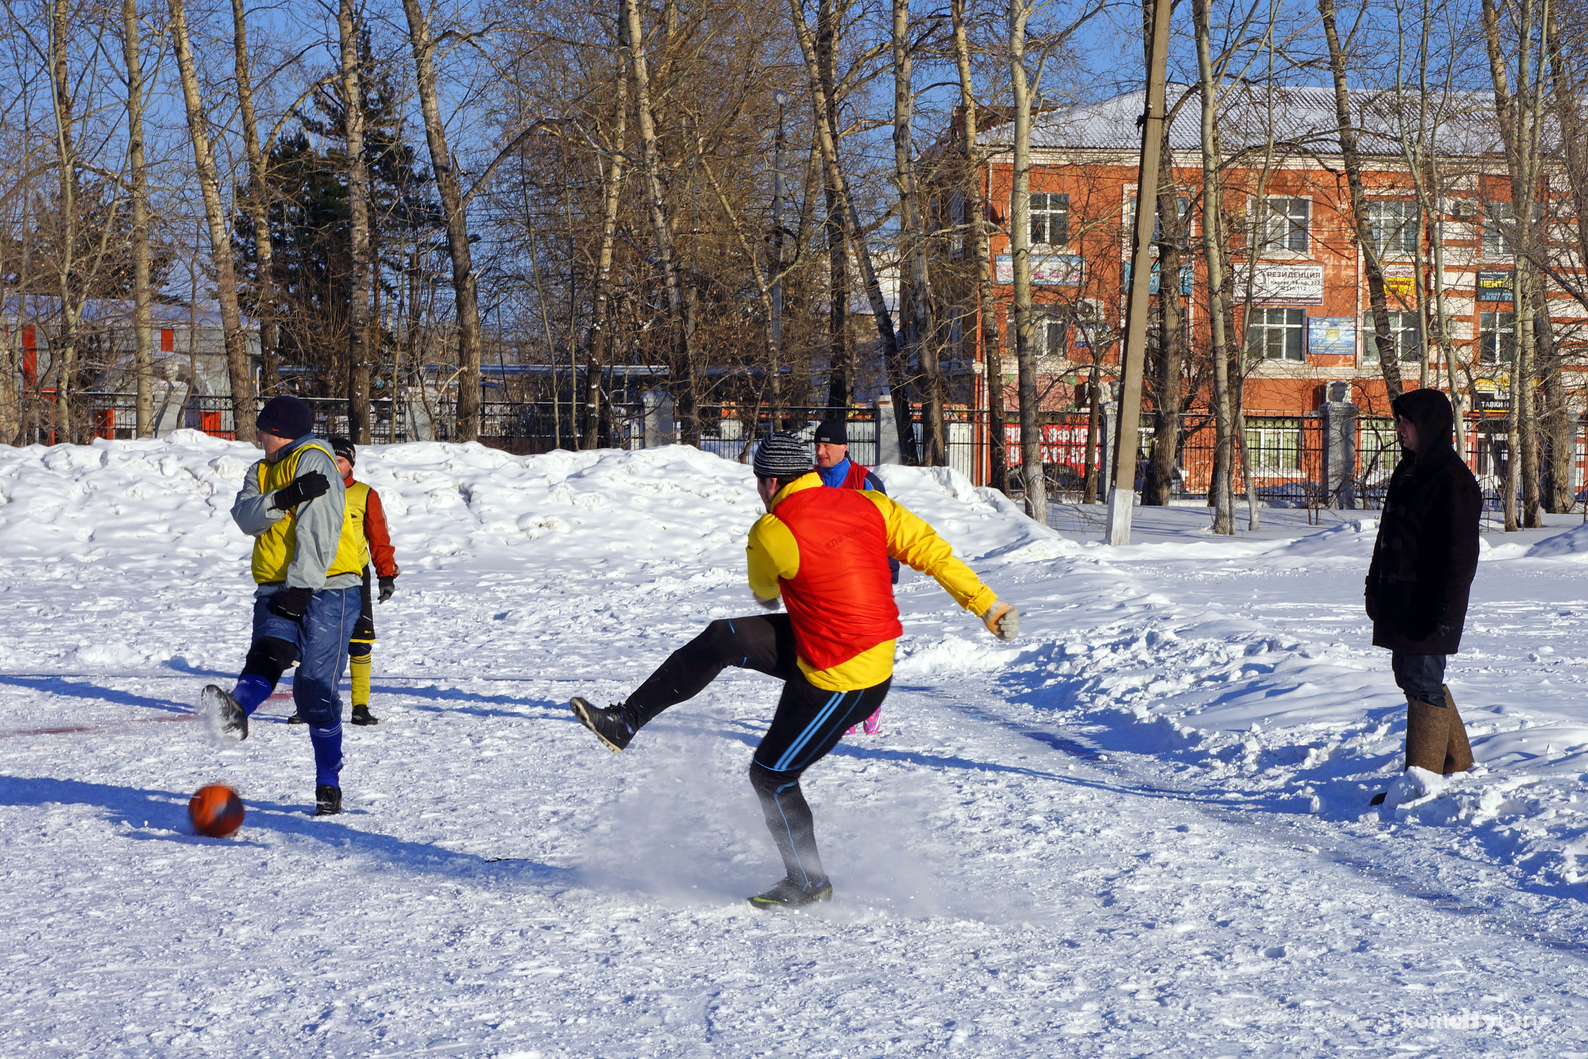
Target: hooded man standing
<point>292,503</point>
<point>1417,586</point>
<point>824,552</point>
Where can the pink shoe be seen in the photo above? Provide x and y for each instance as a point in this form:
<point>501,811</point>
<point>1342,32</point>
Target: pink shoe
<point>873,723</point>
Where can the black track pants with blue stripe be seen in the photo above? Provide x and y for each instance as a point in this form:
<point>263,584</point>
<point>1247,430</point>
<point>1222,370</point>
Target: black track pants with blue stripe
<point>809,720</point>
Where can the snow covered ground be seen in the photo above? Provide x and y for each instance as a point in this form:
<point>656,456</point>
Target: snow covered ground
<point>1141,830</point>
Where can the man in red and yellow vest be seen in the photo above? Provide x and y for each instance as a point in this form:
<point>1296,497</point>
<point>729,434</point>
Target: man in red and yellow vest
<point>292,504</point>
<point>364,532</point>
<point>824,552</point>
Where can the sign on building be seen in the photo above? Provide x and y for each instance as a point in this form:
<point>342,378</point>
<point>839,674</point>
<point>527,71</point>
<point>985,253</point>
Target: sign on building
<point>1281,284</point>
<point>1047,270</point>
<point>1495,286</point>
<point>1332,336</point>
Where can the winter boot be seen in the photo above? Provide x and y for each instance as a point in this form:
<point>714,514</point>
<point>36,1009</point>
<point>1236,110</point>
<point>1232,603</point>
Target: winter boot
<point>789,894</point>
<point>327,800</point>
<point>296,718</point>
<point>610,725</point>
<point>225,717</point>
<point>1427,735</point>
<point>1458,752</point>
<point>361,715</point>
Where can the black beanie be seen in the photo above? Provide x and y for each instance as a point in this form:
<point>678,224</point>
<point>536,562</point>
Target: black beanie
<point>833,432</point>
<point>343,447</point>
<point>286,417</point>
<point>782,455</point>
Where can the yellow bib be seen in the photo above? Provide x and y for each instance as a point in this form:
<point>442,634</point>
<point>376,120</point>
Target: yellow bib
<point>274,548</point>
<point>352,551</point>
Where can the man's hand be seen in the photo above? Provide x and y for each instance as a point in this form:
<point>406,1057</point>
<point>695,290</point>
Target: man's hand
<point>388,585</point>
<point>1002,620</point>
<point>1371,606</point>
<point>291,602</point>
<point>304,487</point>
<point>770,604</point>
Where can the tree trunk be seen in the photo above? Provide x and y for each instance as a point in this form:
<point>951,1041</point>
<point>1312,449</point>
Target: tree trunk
<point>237,366</point>
<point>661,230</point>
<point>358,355</point>
<point>600,312</point>
<point>138,178</point>
<point>840,354</point>
<point>1031,471</point>
<point>1388,358</point>
<point>450,188</point>
<point>921,337</point>
<point>1169,365</point>
<point>258,207</point>
<point>63,349</point>
<point>1213,249</point>
<point>1519,119</point>
<point>827,140</point>
<point>976,236</point>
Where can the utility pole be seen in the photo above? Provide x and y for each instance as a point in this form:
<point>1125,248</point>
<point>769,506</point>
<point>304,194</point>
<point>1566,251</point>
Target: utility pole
<point>1122,494</point>
<point>781,98</point>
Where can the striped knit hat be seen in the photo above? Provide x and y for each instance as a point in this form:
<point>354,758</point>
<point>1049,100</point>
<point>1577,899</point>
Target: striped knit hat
<point>782,455</point>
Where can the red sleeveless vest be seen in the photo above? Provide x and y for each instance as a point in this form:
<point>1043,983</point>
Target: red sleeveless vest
<point>841,601</point>
<point>855,477</point>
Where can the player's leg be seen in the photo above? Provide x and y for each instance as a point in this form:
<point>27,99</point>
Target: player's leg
<point>273,650</point>
<point>327,625</point>
<point>359,656</point>
<point>809,722</point>
<point>764,643</point>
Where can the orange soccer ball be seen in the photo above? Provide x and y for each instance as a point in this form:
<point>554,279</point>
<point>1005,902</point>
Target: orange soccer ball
<point>215,810</point>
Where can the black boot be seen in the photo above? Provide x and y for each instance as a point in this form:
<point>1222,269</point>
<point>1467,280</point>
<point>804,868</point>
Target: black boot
<point>327,800</point>
<point>296,718</point>
<point>361,715</point>
<point>610,725</point>
<point>224,715</point>
<point>790,894</point>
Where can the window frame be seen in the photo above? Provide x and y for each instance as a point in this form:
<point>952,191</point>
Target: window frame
<point>1406,352</point>
<point>1496,341</point>
<point>1049,212</point>
<point>1401,242</point>
<point>1265,221</point>
<point>1261,323</point>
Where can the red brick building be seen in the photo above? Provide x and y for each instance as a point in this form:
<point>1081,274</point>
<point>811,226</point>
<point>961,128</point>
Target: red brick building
<point>1302,310</point>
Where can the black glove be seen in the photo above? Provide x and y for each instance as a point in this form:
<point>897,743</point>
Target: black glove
<point>1371,606</point>
<point>303,487</point>
<point>292,602</point>
<point>388,585</point>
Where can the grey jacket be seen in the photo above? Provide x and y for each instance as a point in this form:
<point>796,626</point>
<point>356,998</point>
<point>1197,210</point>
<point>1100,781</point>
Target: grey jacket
<point>319,521</point>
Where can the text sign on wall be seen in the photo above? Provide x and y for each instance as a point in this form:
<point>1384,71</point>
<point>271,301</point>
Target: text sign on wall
<point>1494,286</point>
<point>1062,445</point>
<point>1284,284</point>
<point>1186,277</point>
<point>1333,336</point>
<point>1047,270</point>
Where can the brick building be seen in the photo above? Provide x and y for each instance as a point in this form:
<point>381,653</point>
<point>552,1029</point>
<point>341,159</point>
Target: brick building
<point>1300,292</point>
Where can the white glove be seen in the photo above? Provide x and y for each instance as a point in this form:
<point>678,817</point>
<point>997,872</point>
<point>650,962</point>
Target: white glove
<point>1002,620</point>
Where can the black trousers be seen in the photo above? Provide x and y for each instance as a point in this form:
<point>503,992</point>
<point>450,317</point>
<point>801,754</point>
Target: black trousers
<point>808,723</point>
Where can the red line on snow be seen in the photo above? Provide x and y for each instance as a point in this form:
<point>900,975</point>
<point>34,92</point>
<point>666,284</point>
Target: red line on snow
<point>89,729</point>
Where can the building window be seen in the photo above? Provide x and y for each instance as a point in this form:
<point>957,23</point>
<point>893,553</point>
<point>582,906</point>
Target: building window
<point>956,222</point>
<point>1050,220</point>
<point>1277,334</point>
<point>1404,329</point>
<point>1499,226</point>
<point>1273,445</point>
<point>1496,337</point>
<point>1282,225</point>
<point>1048,334</point>
<point>1392,224</point>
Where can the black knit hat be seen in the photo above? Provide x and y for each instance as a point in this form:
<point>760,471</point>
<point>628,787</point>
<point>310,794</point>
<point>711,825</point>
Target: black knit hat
<point>833,432</point>
<point>343,447</point>
<point>782,455</point>
<point>286,417</point>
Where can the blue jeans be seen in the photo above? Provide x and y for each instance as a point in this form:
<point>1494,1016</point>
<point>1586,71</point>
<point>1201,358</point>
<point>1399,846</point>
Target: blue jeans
<point>321,642</point>
<point>1420,676</point>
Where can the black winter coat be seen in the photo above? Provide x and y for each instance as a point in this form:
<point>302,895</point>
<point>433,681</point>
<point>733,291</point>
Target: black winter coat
<point>1426,554</point>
